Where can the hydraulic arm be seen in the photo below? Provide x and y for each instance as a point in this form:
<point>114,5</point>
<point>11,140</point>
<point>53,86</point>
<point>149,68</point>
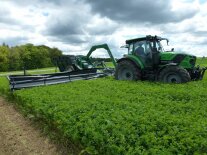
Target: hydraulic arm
<point>104,46</point>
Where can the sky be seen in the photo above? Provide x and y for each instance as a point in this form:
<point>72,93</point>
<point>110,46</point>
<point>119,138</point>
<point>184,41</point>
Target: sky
<point>75,25</point>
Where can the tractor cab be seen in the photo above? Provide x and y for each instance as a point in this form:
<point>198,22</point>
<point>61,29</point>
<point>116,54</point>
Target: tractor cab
<point>147,49</point>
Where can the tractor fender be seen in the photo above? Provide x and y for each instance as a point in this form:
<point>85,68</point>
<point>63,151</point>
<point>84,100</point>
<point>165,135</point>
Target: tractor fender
<point>137,63</point>
<point>164,66</point>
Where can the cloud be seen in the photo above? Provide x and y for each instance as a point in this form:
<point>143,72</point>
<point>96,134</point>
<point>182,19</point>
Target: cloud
<point>134,11</point>
<point>101,26</point>
<point>76,25</point>
<point>65,21</point>
<point>13,41</point>
<point>36,3</point>
<point>5,17</point>
<point>199,33</point>
<point>64,27</point>
<point>70,39</point>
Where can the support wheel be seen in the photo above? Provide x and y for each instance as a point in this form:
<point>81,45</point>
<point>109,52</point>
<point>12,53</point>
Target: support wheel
<point>127,70</point>
<point>174,74</point>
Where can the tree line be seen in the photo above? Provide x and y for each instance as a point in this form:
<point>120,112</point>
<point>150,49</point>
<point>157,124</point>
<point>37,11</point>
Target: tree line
<point>27,56</point>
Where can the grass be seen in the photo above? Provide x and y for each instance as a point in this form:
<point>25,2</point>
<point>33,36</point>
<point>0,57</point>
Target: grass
<point>31,72</point>
<point>109,64</point>
<point>202,62</point>
<point>4,86</point>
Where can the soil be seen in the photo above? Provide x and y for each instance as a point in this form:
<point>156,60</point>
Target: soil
<point>19,137</point>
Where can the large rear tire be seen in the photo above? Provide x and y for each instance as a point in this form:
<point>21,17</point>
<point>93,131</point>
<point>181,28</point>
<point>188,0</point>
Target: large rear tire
<point>174,74</point>
<point>127,70</point>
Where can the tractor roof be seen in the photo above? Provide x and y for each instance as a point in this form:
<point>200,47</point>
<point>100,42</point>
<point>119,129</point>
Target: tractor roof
<point>148,37</point>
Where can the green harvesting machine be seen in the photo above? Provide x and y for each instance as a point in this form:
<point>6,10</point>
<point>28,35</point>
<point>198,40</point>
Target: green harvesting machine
<point>146,60</point>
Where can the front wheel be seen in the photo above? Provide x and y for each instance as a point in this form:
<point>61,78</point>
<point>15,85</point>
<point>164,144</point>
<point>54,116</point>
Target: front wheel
<point>174,74</point>
<point>127,70</point>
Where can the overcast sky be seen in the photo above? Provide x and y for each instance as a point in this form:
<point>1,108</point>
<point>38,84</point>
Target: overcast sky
<point>75,25</point>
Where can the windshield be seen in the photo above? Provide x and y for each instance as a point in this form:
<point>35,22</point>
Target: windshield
<point>158,46</point>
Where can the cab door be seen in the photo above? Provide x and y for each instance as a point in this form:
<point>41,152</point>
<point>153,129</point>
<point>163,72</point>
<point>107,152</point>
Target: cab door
<point>143,50</point>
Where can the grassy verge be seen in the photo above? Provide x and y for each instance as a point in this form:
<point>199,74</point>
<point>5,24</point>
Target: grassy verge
<point>4,86</point>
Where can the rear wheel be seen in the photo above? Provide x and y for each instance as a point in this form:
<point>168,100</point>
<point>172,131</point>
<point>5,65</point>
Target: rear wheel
<point>174,74</point>
<point>127,70</point>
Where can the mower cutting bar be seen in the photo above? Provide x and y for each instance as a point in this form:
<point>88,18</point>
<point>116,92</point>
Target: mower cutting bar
<point>19,82</point>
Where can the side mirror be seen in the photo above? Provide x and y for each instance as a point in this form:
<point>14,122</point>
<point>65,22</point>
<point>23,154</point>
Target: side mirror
<point>125,55</point>
<point>167,42</point>
<point>125,46</point>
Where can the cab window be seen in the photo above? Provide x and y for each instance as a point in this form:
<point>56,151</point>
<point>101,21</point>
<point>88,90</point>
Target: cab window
<point>148,47</point>
<point>139,48</point>
<point>130,48</point>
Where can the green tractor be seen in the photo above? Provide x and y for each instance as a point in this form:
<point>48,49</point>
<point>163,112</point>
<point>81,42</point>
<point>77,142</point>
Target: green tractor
<point>146,60</point>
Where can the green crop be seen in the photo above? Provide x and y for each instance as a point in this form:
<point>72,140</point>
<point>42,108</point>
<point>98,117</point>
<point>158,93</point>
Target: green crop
<point>111,117</point>
<point>4,85</point>
<point>202,62</point>
<point>106,116</point>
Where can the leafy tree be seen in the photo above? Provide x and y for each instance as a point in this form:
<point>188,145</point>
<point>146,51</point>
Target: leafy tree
<point>14,59</point>
<point>40,57</point>
<point>27,56</point>
<point>4,65</point>
<point>54,53</point>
